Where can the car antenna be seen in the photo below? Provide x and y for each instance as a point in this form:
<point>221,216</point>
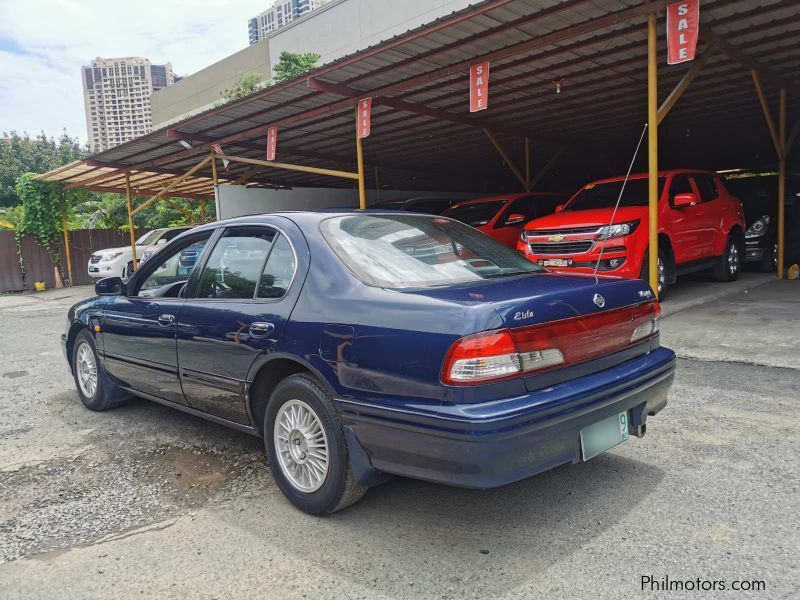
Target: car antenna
<point>619,199</point>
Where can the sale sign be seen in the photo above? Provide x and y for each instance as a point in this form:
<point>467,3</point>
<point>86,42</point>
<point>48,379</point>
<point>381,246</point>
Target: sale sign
<point>683,24</point>
<point>364,117</point>
<point>479,87</point>
<point>272,142</point>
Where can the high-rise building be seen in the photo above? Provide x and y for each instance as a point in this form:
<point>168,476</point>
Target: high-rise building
<point>281,13</point>
<point>116,96</point>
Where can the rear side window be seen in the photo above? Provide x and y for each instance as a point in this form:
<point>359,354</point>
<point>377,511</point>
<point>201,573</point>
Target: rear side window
<point>279,270</point>
<point>234,267</point>
<point>680,185</point>
<point>707,186</point>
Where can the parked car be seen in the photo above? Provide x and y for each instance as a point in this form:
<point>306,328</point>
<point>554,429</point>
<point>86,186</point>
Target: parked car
<point>118,262</point>
<point>361,345</point>
<point>431,205</point>
<point>700,226</point>
<point>759,196</point>
<point>503,217</point>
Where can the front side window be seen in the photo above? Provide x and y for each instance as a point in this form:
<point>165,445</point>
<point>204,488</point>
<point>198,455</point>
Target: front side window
<point>680,185</point>
<point>233,269</point>
<point>415,251</point>
<point>475,213</point>
<point>707,187</point>
<point>168,279</point>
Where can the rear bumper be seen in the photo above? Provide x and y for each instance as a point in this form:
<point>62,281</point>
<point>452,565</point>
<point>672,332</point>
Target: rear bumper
<point>495,443</point>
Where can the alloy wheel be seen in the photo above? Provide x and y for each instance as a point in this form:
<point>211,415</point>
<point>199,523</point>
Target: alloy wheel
<point>733,259</point>
<point>302,446</point>
<point>86,367</point>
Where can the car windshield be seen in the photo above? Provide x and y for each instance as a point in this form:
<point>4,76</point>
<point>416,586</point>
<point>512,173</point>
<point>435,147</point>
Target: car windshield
<point>475,213</point>
<point>605,195</point>
<point>415,251</point>
<point>149,238</point>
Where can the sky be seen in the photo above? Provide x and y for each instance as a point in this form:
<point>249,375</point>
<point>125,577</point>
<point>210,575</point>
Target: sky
<point>44,43</point>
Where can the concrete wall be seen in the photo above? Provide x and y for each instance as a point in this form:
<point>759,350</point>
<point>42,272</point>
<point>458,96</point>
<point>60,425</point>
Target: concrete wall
<point>343,27</point>
<point>238,200</point>
<point>339,28</point>
<point>201,90</point>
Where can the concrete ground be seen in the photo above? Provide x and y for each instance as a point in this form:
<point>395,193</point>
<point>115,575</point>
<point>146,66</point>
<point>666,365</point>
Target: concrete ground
<point>146,502</point>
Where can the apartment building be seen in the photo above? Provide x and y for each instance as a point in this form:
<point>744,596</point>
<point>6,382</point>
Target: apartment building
<point>281,13</point>
<point>116,95</point>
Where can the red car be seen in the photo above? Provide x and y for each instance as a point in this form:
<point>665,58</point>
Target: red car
<point>503,217</point>
<point>700,226</point>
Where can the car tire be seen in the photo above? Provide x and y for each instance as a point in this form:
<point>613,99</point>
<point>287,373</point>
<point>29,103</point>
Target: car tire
<point>662,270</point>
<point>87,372</point>
<point>300,420</point>
<point>729,264</point>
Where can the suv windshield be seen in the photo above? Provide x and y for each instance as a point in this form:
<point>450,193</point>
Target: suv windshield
<point>149,238</point>
<point>415,251</point>
<point>475,213</point>
<point>604,195</point>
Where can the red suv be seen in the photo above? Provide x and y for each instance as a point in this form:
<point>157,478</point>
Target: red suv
<point>700,226</point>
<point>503,217</point>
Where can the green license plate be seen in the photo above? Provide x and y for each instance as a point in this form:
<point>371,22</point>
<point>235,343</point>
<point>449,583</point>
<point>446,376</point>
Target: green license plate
<point>604,435</point>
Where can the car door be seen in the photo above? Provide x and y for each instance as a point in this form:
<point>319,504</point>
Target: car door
<point>237,311</point>
<point>138,330</point>
<point>710,212</point>
<point>508,233</point>
<point>687,223</point>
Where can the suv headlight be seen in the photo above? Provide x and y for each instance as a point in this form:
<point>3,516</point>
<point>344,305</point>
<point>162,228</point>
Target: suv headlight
<point>111,257</point>
<point>758,228</point>
<point>617,230</point>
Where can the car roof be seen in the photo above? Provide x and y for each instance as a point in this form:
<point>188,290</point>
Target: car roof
<point>644,175</point>
<point>507,197</point>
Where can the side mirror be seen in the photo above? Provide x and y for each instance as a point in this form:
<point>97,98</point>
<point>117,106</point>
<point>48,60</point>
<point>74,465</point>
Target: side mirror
<point>681,200</point>
<point>110,286</point>
<point>515,219</point>
<point>559,208</point>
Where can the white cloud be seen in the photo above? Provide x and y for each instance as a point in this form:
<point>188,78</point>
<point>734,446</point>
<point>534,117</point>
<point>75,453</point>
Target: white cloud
<point>44,43</point>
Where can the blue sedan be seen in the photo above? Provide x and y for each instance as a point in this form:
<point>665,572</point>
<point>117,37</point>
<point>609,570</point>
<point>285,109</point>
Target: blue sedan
<point>362,344</point>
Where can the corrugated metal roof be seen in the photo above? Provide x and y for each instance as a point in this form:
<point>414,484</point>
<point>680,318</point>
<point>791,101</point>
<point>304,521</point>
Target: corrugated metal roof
<point>424,138</point>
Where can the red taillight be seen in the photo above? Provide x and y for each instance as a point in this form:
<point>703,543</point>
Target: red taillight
<point>505,353</point>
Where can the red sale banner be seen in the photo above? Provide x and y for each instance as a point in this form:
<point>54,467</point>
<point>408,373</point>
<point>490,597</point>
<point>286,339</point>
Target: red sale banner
<point>683,23</point>
<point>272,142</point>
<point>364,118</point>
<point>479,87</point>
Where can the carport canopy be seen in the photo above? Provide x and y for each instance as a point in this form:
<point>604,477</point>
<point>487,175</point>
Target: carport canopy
<point>568,100</point>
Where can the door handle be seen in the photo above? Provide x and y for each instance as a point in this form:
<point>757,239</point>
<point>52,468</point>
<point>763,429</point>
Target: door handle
<point>259,330</point>
<point>166,320</point>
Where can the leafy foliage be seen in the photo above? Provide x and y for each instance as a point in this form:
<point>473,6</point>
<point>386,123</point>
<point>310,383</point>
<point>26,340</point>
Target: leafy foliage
<point>23,154</point>
<point>249,83</point>
<point>292,64</point>
<point>45,205</point>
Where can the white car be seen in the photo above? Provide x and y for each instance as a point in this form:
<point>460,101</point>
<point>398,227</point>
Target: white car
<point>118,262</point>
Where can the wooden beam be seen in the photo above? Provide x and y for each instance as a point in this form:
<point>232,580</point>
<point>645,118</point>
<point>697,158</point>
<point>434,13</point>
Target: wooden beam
<point>181,210</point>
<point>131,231</point>
<point>547,166</point>
<point>767,114</point>
<point>288,167</point>
<point>684,83</point>
<point>247,176</point>
<point>174,183</point>
<point>744,59</point>
<point>504,155</point>
<point>68,283</point>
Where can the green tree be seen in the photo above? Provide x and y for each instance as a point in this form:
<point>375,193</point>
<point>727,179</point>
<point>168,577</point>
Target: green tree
<point>292,64</point>
<point>22,154</point>
<point>249,83</point>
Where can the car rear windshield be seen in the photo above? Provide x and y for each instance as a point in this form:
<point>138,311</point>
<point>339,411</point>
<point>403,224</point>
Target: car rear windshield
<point>605,195</point>
<point>475,213</point>
<point>415,251</point>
